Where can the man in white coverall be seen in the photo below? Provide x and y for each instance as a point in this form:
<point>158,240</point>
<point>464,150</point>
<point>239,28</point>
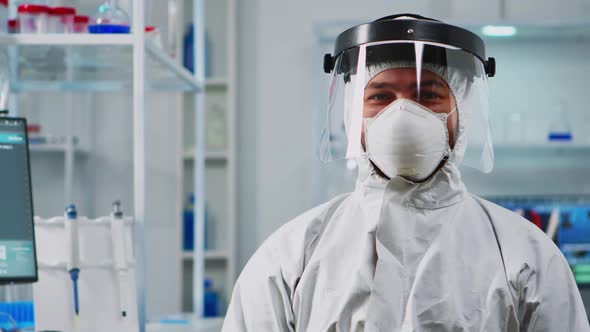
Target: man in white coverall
<point>410,249</point>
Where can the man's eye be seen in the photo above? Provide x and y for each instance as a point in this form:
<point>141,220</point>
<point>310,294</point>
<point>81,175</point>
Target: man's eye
<point>429,95</point>
<point>379,97</point>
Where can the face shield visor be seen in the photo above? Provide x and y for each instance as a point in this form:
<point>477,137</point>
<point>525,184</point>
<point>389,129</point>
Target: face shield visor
<point>430,99</point>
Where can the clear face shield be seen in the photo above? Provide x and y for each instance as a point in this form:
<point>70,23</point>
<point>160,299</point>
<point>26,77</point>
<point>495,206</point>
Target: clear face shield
<point>408,106</point>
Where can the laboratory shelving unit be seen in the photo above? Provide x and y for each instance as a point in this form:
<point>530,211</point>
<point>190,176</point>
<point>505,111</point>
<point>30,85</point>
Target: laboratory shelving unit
<point>220,162</point>
<point>148,69</point>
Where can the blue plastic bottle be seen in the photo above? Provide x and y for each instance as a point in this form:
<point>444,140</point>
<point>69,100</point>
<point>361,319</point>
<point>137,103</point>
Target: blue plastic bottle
<point>189,48</point>
<point>21,313</point>
<point>211,308</point>
<point>188,231</point>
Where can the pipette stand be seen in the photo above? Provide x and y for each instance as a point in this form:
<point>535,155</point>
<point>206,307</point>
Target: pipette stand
<point>98,285</point>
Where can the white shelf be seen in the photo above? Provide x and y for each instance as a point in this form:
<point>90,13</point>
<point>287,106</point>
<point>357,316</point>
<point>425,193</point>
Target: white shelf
<point>173,67</point>
<point>543,147</point>
<point>540,150</point>
<point>54,148</point>
<point>189,154</point>
<point>216,83</point>
<point>93,63</point>
<point>209,255</point>
<point>560,155</point>
<point>185,322</point>
<point>104,85</point>
<point>66,39</point>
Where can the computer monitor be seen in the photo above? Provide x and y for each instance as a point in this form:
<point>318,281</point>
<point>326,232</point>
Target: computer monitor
<point>18,261</point>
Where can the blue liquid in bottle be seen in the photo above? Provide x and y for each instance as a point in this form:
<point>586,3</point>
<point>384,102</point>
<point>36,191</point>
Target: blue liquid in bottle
<point>108,28</point>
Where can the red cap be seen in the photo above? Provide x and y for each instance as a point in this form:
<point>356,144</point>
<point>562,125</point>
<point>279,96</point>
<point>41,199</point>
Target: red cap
<point>62,11</point>
<point>13,23</point>
<point>4,3</point>
<point>150,28</point>
<point>33,128</point>
<point>81,19</point>
<point>33,9</point>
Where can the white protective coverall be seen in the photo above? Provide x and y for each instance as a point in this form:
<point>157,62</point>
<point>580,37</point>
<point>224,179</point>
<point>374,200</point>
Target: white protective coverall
<point>398,256</point>
<point>401,256</point>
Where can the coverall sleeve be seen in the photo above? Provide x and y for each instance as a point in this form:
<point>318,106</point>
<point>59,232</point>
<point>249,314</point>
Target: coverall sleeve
<point>552,301</point>
<point>261,300</point>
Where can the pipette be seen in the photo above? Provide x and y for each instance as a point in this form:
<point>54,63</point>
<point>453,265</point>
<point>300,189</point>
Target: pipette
<point>553,223</point>
<point>119,254</point>
<point>73,265</point>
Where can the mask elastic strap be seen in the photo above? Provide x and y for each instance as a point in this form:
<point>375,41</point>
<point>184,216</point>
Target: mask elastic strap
<point>354,143</point>
<point>447,115</point>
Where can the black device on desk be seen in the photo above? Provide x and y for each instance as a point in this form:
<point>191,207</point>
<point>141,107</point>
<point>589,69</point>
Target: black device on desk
<point>18,260</point>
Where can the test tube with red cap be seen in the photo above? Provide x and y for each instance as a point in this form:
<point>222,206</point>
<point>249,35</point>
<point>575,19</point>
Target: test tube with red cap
<point>81,23</point>
<point>61,19</point>
<point>32,18</point>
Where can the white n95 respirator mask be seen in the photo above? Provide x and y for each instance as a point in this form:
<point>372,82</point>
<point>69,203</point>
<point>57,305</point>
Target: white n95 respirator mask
<point>407,139</point>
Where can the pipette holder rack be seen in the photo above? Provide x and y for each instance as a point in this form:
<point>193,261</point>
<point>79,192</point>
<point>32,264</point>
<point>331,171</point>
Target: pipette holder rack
<point>98,284</point>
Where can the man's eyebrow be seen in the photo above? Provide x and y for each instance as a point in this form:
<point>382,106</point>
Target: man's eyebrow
<point>388,85</point>
<point>382,85</point>
<point>432,83</point>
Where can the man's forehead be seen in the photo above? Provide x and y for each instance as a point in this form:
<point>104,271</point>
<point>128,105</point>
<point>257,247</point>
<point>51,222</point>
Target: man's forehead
<point>406,76</point>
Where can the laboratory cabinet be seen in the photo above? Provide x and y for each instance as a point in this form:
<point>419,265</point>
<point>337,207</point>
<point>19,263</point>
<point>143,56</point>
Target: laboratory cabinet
<point>511,11</point>
<point>466,10</point>
<point>540,11</point>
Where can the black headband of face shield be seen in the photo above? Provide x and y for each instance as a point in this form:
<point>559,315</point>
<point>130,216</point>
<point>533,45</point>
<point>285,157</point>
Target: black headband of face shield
<point>405,53</point>
<point>418,29</point>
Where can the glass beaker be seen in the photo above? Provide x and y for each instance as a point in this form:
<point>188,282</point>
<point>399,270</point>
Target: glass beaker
<point>560,129</point>
<point>110,18</point>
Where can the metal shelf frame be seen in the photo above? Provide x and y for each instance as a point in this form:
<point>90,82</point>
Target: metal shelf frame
<point>215,160</point>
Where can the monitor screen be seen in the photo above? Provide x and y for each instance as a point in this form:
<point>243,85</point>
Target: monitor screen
<point>17,238</point>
